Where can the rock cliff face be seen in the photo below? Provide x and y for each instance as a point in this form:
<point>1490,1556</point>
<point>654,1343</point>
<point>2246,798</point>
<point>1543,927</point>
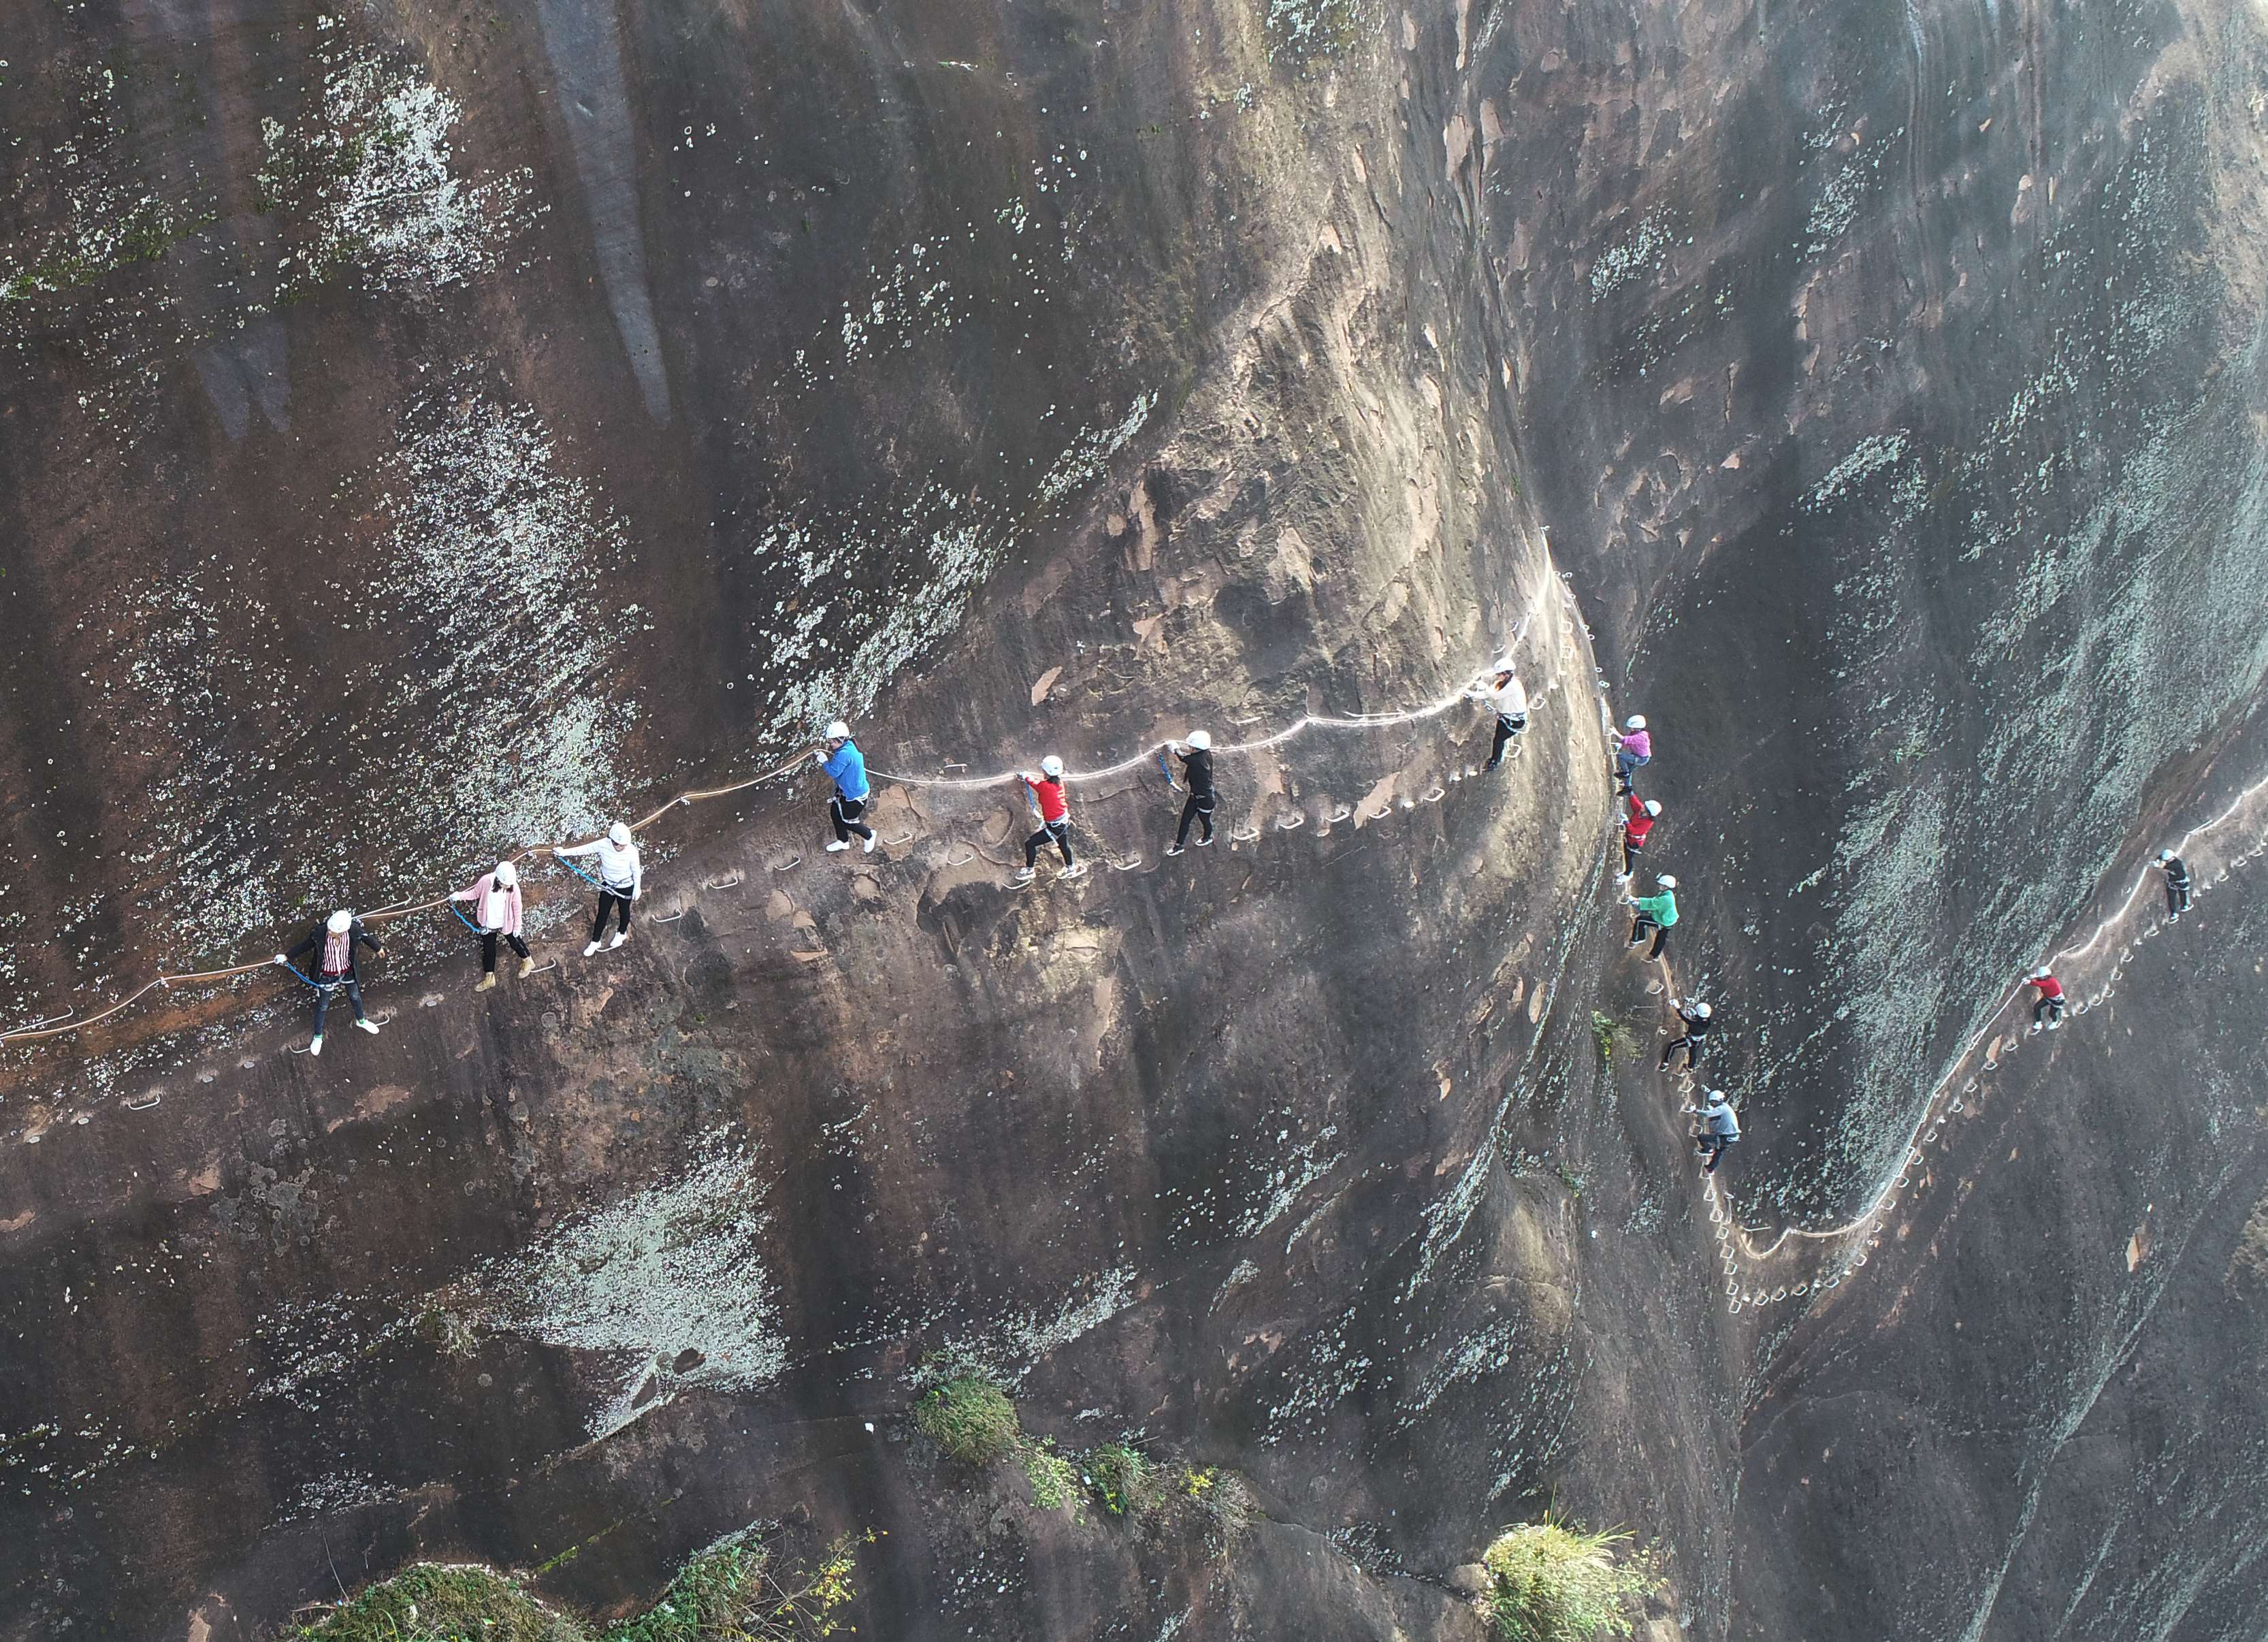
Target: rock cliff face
<point>432,430</point>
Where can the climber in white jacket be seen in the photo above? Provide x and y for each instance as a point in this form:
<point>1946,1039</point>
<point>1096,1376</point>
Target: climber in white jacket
<point>622,875</point>
<point>1510,700</point>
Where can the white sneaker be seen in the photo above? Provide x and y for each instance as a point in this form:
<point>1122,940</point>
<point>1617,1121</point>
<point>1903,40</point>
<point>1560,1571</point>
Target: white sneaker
<point>838,846</point>
<point>370,1027</point>
<point>1024,875</point>
<point>870,843</point>
<point>315,1044</point>
<point>588,950</point>
<point>1204,844</point>
<point>619,936</point>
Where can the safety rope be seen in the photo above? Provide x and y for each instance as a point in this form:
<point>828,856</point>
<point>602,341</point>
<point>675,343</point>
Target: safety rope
<point>1736,1241</point>
<point>401,910</point>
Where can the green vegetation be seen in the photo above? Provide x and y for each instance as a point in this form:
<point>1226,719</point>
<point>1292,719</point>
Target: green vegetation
<point>1054,1476</point>
<point>142,235</point>
<point>1301,29</point>
<point>1551,1582</point>
<point>1221,1496</point>
<point>433,1604</point>
<point>728,1594</point>
<point>1122,1478</point>
<point>970,1417</point>
<point>1603,1034</point>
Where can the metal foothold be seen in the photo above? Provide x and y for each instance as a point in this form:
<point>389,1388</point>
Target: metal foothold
<point>1340,814</point>
<point>543,968</point>
<point>1293,822</point>
<point>789,865</point>
<point>672,919</point>
<point>731,881</point>
<point>1435,795</point>
<point>892,843</point>
<point>144,1104</point>
<point>1127,866</point>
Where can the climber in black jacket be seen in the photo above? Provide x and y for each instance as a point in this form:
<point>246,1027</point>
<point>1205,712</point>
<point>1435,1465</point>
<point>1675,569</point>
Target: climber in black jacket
<point>1196,773</point>
<point>2178,883</point>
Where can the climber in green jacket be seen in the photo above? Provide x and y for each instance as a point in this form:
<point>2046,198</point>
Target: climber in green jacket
<point>1655,912</point>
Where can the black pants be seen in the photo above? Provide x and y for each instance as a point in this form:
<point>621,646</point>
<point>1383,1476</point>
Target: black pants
<point>1199,806</point>
<point>488,946</point>
<point>2177,897</point>
<point>844,813</point>
<point>1059,831</point>
<point>1692,1047</point>
<point>1631,850</point>
<point>2047,1009</point>
<point>323,1001</point>
<point>1638,927</point>
<point>1712,1147</point>
<point>1505,729</point>
<point>609,900</point>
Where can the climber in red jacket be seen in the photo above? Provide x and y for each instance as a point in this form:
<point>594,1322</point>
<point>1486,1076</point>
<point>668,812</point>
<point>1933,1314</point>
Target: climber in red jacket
<point>1047,793</point>
<point>2047,999</point>
<point>1635,825</point>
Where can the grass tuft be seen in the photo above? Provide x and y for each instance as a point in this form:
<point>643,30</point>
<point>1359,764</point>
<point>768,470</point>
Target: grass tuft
<point>1053,1475</point>
<point>1551,1582</point>
<point>731,1593</point>
<point>1122,1478</point>
<point>427,1603</point>
<point>970,1417</point>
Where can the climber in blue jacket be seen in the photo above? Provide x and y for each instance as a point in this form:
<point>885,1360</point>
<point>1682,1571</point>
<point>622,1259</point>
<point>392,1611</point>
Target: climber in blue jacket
<point>845,766</point>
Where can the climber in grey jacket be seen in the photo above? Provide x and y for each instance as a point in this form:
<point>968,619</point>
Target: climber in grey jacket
<point>1719,1128</point>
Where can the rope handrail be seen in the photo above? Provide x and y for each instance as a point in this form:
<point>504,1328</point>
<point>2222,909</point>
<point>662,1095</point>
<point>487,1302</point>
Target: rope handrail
<point>401,910</point>
<point>1928,1113</point>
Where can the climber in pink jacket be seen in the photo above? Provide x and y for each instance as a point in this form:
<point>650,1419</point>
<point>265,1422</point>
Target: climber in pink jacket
<point>497,912</point>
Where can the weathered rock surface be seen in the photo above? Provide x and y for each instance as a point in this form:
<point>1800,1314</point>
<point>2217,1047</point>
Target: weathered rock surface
<point>430,430</point>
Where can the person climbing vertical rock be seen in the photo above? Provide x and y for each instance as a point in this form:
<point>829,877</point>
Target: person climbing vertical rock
<point>1505,694</point>
<point>846,766</point>
<point>1046,790</point>
<point>1695,1037</point>
<point>334,941</point>
<point>498,913</point>
<point>621,876</point>
<point>1719,1127</point>
<point>2177,884</point>
<point>2047,999</point>
<point>1655,912</point>
<point>1197,775</point>
<point>1633,750</point>
<point>1636,823</point>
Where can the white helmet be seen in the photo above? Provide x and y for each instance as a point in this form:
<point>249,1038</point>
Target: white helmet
<point>1051,767</point>
<point>619,835</point>
<point>1701,1011</point>
<point>1717,1097</point>
<point>1636,721</point>
<point>2165,855</point>
<point>340,921</point>
<point>1200,741</point>
<point>1667,881</point>
<point>1503,665</point>
<point>2040,974</point>
<point>507,875</point>
<point>839,730</point>
<point>1653,807</point>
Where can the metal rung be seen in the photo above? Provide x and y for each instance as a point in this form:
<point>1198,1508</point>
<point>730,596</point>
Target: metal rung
<point>144,1105</point>
<point>1293,822</point>
<point>656,918</point>
<point>789,865</point>
<point>731,881</point>
<point>1436,795</point>
<point>542,969</point>
<point>1339,814</point>
<point>952,861</point>
<point>1127,866</point>
<point>892,843</point>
